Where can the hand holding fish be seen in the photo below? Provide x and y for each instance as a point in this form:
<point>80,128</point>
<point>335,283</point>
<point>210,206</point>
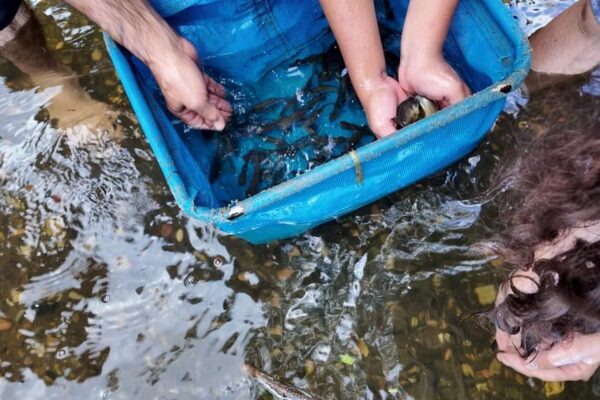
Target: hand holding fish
<point>423,69</point>
<point>433,78</point>
<point>380,103</point>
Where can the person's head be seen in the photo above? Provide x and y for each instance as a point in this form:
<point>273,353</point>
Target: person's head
<point>552,240</point>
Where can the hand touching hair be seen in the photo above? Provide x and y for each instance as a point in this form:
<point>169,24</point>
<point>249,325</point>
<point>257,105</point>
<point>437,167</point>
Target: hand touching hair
<point>552,214</point>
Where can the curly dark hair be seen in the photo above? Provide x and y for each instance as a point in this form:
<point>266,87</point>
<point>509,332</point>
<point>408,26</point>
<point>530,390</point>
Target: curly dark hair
<point>551,186</point>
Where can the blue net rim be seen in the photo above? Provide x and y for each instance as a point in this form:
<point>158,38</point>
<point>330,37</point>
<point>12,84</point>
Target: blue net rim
<point>495,92</point>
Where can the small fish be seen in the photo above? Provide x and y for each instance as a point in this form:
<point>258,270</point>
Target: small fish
<point>254,159</point>
<point>274,141</point>
<point>280,390</point>
<point>414,109</point>
<point>341,98</point>
<point>266,105</point>
<point>349,126</point>
<point>323,89</point>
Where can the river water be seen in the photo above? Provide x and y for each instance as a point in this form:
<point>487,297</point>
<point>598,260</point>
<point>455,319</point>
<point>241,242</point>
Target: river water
<point>108,292</point>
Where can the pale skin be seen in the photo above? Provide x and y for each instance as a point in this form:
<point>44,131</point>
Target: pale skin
<point>568,45</point>
<point>572,360</point>
<point>422,69</point>
<point>190,94</point>
<point>23,44</point>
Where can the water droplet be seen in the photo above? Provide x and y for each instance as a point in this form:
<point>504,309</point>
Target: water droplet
<point>219,261</point>
<point>189,280</point>
<point>61,354</point>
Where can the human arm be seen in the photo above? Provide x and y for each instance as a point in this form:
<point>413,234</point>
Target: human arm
<point>354,25</point>
<point>22,43</point>
<point>423,69</point>
<point>570,44</point>
<point>572,360</point>
<point>190,94</point>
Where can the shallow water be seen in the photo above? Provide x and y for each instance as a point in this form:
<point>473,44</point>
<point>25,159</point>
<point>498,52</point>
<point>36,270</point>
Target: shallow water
<point>112,293</point>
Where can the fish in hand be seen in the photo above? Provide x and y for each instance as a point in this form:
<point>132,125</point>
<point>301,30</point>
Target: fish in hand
<point>414,109</point>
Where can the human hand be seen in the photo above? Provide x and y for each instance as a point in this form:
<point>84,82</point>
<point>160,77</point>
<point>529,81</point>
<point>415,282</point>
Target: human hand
<point>380,101</point>
<point>433,78</point>
<point>570,360</point>
<point>190,94</point>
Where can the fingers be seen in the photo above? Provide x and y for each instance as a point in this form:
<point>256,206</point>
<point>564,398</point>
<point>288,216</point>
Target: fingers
<point>190,50</point>
<point>582,349</point>
<point>214,87</point>
<point>557,357</point>
<point>193,120</point>
<point>455,95</point>
<point>401,93</point>
<point>198,120</point>
<point>572,372</point>
<point>207,116</point>
<point>503,341</point>
<point>202,114</point>
<point>222,105</point>
<point>383,130</point>
<point>466,90</point>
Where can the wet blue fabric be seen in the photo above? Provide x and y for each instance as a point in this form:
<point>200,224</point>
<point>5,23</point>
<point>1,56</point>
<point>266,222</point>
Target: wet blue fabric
<point>8,10</point>
<point>298,152</point>
<point>242,41</point>
<point>596,9</point>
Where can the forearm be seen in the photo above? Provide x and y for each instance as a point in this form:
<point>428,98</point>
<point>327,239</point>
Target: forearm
<point>354,24</point>
<point>570,44</point>
<point>132,23</point>
<point>426,28</point>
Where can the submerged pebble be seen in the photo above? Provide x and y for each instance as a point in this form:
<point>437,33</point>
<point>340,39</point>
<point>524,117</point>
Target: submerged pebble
<point>5,325</point>
<point>553,388</point>
<point>363,348</point>
<point>294,252</point>
<point>486,295</point>
<point>285,273</point>
<point>96,55</point>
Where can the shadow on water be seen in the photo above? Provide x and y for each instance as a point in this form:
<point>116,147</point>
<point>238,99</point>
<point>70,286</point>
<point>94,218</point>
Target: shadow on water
<point>107,291</point>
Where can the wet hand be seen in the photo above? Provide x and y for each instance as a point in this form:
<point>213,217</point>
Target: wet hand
<point>190,94</point>
<point>380,101</point>
<point>433,78</point>
<point>571,360</point>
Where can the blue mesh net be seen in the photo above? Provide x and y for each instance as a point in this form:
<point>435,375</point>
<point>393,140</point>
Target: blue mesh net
<point>298,151</point>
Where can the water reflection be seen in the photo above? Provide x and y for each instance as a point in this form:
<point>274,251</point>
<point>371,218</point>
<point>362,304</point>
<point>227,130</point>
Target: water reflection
<point>111,293</point>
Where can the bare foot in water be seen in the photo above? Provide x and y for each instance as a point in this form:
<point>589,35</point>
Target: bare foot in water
<point>23,44</point>
<point>72,107</point>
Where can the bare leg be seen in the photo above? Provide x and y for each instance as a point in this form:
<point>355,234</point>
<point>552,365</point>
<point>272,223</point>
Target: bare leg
<point>23,44</point>
<point>570,44</point>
